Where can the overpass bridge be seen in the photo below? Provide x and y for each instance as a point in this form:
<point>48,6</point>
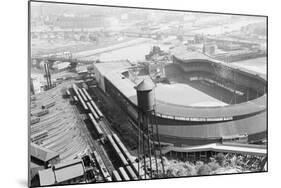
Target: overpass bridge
<point>36,60</point>
<point>154,34</point>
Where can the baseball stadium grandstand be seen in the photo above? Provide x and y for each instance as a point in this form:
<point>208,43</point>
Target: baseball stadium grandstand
<point>200,101</point>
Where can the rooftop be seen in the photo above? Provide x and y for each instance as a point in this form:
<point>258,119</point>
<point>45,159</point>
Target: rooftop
<point>46,177</point>
<point>69,170</point>
<point>42,153</point>
<point>184,54</point>
<point>62,172</point>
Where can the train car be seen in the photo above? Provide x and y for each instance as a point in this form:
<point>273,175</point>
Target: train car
<point>131,173</point>
<point>67,94</point>
<point>126,153</point>
<point>38,136</point>
<point>33,105</point>
<point>123,174</point>
<point>134,166</point>
<point>33,98</point>
<point>40,113</point>
<point>97,109</point>
<point>102,167</point>
<point>83,96</point>
<point>122,147</point>
<point>87,94</point>
<point>117,151</point>
<point>96,125</point>
<point>75,88</point>
<point>93,111</point>
<point>116,176</point>
<point>75,99</point>
<point>48,105</point>
<point>34,120</point>
<point>85,107</point>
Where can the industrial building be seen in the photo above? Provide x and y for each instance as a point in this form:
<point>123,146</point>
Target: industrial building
<point>43,156</point>
<point>62,173</point>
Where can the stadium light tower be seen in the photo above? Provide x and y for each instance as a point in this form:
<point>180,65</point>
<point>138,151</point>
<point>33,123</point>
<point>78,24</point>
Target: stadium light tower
<point>146,135</point>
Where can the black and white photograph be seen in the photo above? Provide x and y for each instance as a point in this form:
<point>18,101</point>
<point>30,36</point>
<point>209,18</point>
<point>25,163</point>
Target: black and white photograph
<point>120,93</point>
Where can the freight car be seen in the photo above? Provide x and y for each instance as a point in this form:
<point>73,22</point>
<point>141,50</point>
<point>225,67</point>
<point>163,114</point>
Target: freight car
<point>87,94</point>
<point>34,120</point>
<point>97,109</point>
<point>67,94</point>
<point>48,105</point>
<point>38,136</point>
<point>40,113</point>
<point>89,98</point>
<point>126,153</point>
<point>75,99</point>
<point>123,174</point>
<point>131,173</point>
<point>116,176</point>
<point>93,111</point>
<point>33,98</point>
<point>117,150</point>
<point>96,125</point>
<point>124,150</point>
<point>102,167</point>
<point>83,96</point>
<point>85,107</point>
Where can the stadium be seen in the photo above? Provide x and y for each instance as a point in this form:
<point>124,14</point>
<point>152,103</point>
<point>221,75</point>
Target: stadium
<point>199,101</point>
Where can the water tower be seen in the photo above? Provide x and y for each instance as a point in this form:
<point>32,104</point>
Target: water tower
<point>147,126</point>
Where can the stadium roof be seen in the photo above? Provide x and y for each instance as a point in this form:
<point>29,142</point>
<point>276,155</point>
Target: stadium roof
<point>188,56</point>
<point>184,54</point>
<point>113,72</point>
<point>41,153</point>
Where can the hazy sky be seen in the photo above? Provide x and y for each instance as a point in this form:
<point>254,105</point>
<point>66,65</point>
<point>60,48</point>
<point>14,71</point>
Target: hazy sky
<point>38,8</point>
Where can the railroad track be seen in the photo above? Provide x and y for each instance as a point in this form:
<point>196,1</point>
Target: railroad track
<point>95,145</point>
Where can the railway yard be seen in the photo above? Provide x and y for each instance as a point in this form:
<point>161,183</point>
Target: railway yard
<point>66,120</point>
